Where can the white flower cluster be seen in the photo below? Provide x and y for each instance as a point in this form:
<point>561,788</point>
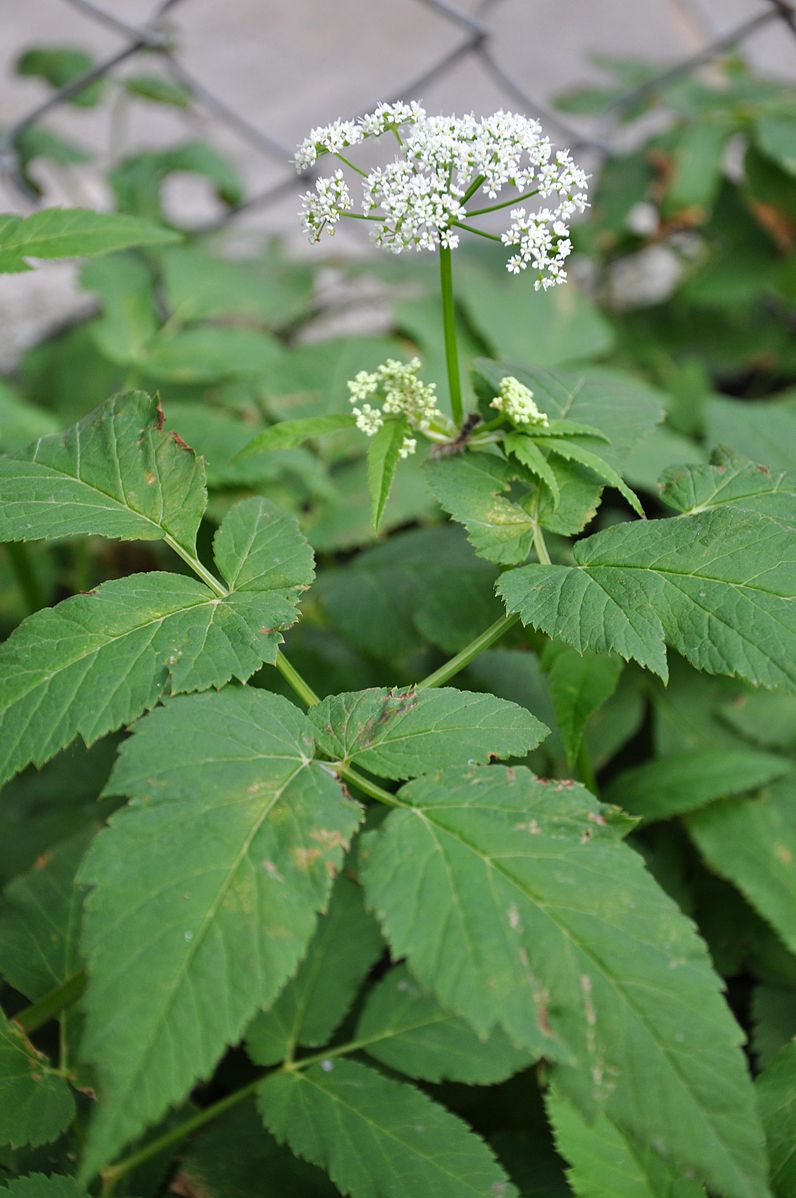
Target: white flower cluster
<point>401,392</point>
<point>321,209</point>
<point>420,200</point>
<point>515,400</point>
<point>339,135</point>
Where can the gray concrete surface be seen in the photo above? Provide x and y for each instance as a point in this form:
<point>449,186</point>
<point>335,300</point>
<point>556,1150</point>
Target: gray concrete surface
<point>290,64</point>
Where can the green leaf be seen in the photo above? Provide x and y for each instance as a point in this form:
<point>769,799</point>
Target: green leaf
<point>776,1098</point>
<point>383,457</point>
<point>776,137</point>
<point>471,488</point>
<point>531,456</point>
<point>571,451</point>
<point>517,322</point>
<point>208,355</point>
<point>752,843</point>
<point>687,781</point>
<point>378,1138</point>
<point>216,872</point>
<point>345,946</point>
<point>403,733</point>
<point>579,685</point>
<point>425,582</point>
<point>288,433</point>
<point>410,1032</point>
<point>761,431</point>
<point>604,1160</point>
<point>766,718</point>
<point>267,290</point>
<point>523,909</point>
<point>96,661</point>
<point>36,1103</point>
<point>696,166</point>
<point>77,233</point>
<point>39,1186</point>
<point>158,90</point>
<point>235,1157</point>
<point>568,428</point>
<point>59,66</point>
<point>40,921</point>
<point>136,181</point>
<point>731,480</point>
<point>715,586</point>
<point>118,473</point>
<point>773,1015</point>
<point>129,320</point>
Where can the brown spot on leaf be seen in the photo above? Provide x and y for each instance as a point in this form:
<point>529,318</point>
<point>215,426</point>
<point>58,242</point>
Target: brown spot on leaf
<point>182,444</point>
<point>161,415</point>
<point>43,860</point>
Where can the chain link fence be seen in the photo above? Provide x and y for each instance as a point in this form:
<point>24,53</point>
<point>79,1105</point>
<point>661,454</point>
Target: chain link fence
<point>474,41</point>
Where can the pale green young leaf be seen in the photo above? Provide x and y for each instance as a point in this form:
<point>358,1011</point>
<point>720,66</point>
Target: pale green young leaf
<point>752,843</point>
<point>158,90</point>
<point>409,1031</point>
<point>524,909</point>
<point>579,685</point>
<point>216,871</point>
<point>776,1099</point>
<point>96,661</point>
<point>618,405</point>
<point>716,586</point>
<point>383,457</point>
<point>39,1186</point>
<point>572,451</point>
<point>36,1103</point>
<point>731,480</point>
<point>568,428</point>
<point>118,473</point>
<point>668,786</point>
<point>531,456</point>
<point>345,946</point>
<point>403,733</point>
<point>376,1137</point>
<point>471,488</point>
<point>605,1160</point>
<point>78,233</point>
<point>289,433</point>
<point>40,921</point>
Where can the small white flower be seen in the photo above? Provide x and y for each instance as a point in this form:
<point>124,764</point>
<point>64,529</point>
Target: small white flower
<point>323,207</point>
<point>515,401</point>
<point>408,447</point>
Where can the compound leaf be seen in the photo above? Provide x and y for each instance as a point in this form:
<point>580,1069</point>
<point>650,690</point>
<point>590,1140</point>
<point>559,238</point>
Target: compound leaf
<point>117,473</point>
<point>471,488</point>
<point>715,586</point>
<point>403,733</point>
<point>216,872</point>
<point>96,661</point>
<point>378,1138</point>
<point>523,909</point>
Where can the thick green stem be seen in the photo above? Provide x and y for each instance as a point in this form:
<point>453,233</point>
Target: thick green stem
<point>25,575</point>
<point>540,545</point>
<point>31,1018</point>
<point>463,658</point>
<point>449,326</point>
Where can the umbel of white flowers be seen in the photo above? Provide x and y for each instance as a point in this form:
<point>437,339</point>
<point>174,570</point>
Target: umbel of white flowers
<point>426,196</point>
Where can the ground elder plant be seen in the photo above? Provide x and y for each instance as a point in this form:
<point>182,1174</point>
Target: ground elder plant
<point>445,841</point>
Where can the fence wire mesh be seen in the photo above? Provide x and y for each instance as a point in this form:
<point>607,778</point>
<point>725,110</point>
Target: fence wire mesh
<point>160,36</point>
